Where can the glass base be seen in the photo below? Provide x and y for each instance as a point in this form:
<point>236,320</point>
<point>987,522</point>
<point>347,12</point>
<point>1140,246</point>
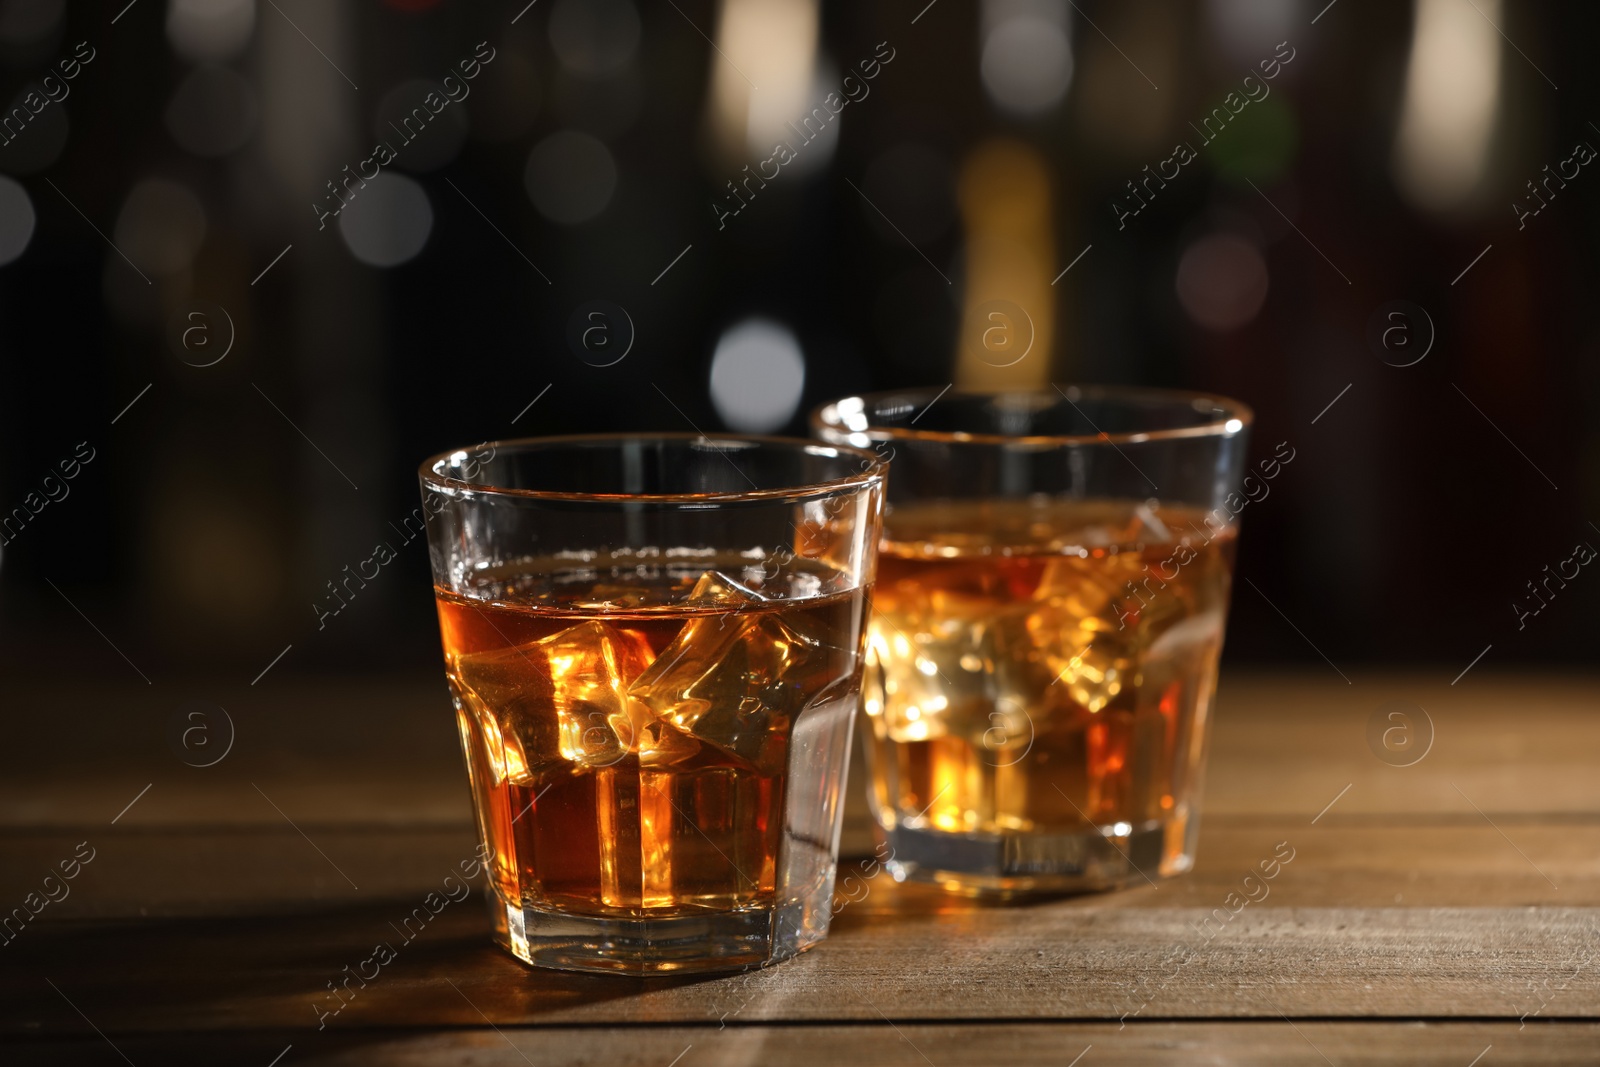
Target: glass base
<point>688,944</point>
<point>1015,864</point>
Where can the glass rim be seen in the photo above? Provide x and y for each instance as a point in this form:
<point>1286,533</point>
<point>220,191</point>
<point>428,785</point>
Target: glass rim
<point>824,416</point>
<point>873,470</point>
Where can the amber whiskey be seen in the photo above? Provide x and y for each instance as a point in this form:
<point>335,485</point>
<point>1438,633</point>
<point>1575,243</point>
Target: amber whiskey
<point>634,740</point>
<point>1039,670</point>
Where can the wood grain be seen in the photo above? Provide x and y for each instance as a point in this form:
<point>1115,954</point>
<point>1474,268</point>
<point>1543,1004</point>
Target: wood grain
<point>1429,911</point>
<point>1356,861</point>
<point>1265,1043</point>
<point>1063,961</point>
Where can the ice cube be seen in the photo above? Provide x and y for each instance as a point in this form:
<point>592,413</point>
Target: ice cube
<point>735,680</point>
<point>938,678</point>
<point>1083,624</point>
<point>1152,522</point>
<point>1091,588</point>
<point>505,696</point>
<point>566,694</point>
<point>481,736</point>
<point>591,665</point>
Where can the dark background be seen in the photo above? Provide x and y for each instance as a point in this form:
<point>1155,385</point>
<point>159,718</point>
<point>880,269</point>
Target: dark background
<point>192,148</point>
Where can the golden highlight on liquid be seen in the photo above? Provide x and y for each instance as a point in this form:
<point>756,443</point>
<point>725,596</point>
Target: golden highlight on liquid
<point>1044,666</point>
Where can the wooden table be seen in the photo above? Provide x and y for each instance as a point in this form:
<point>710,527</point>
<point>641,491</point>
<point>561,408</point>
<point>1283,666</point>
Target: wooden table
<point>1446,912</point>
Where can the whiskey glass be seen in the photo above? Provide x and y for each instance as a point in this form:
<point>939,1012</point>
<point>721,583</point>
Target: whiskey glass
<point>1052,592</point>
<point>655,645</point>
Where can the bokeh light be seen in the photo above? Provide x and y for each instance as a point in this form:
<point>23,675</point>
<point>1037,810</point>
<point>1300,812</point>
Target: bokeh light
<point>24,22</point>
<point>758,374</point>
<point>1249,30</point>
<point>160,226</point>
<point>570,177</point>
<point>1222,281</point>
<point>38,144</point>
<point>1008,216</point>
<point>778,38</point>
<point>1260,142</point>
<point>214,112</point>
<point>1452,92</point>
<point>594,38</point>
<point>210,31</point>
<point>16,220</point>
<point>388,222</point>
<point>1026,62</point>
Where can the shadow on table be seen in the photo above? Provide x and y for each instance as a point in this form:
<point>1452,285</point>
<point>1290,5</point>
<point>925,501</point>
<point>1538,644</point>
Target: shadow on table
<point>302,970</point>
<point>310,974</point>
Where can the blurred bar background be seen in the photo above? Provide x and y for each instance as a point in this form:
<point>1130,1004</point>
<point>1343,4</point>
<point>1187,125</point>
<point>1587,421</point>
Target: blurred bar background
<point>241,342</point>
